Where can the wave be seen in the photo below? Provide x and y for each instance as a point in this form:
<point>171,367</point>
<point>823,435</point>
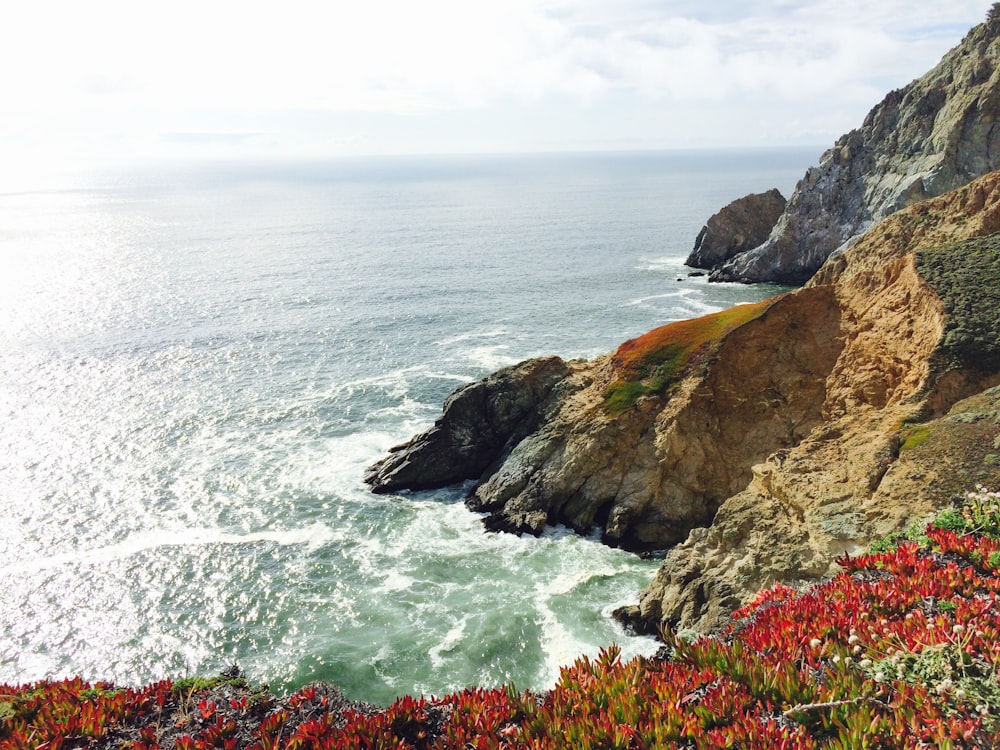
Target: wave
<point>313,537</point>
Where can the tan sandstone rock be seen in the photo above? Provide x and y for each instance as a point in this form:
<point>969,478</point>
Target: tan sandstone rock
<point>847,483</point>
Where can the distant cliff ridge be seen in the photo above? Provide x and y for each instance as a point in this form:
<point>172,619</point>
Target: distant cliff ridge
<point>930,137</point>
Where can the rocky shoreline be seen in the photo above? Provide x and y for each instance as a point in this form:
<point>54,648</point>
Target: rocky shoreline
<point>758,444</point>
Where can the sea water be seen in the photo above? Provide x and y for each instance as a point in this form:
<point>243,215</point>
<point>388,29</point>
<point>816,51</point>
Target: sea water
<point>198,361</point>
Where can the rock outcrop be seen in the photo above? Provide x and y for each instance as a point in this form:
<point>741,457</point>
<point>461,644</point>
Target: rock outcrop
<point>761,442</point>
<point>930,137</point>
<point>480,423</point>
<point>740,226</point>
<point>905,425</point>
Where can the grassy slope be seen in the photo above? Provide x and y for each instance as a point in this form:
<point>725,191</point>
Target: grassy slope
<point>966,275</point>
<point>650,364</point>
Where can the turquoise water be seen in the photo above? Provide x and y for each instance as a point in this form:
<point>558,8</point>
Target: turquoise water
<point>197,362</point>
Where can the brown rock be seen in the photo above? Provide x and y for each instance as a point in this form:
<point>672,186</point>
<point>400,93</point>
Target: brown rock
<point>848,482</point>
<point>762,442</point>
<point>740,226</point>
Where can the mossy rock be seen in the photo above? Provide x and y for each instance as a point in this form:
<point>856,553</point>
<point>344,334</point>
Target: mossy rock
<point>914,436</point>
<point>653,363</point>
<point>966,276</point>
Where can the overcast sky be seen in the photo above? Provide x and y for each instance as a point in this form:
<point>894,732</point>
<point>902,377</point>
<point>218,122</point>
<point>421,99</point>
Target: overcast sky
<point>217,78</point>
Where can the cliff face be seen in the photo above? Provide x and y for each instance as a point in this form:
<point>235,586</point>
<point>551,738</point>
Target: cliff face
<point>926,139</point>
<point>762,441</point>
<point>905,423</point>
<point>481,422</point>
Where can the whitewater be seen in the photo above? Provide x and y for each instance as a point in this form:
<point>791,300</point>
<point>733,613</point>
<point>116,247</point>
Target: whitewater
<point>198,361</point>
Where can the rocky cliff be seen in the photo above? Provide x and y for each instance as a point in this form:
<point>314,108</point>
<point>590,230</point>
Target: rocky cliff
<point>923,140</point>
<point>908,414</point>
<point>760,442</point>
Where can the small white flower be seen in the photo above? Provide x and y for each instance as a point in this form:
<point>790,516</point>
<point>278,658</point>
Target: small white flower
<point>815,643</point>
<point>852,640</point>
<point>958,629</point>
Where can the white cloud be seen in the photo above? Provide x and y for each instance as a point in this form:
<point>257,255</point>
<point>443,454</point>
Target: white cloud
<point>116,70</point>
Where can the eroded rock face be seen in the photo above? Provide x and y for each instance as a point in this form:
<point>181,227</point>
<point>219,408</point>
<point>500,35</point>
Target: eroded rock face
<point>648,475</point>
<point>930,137</point>
<point>740,226</point>
<point>853,478</point>
<point>480,421</point>
<point>761,442</point>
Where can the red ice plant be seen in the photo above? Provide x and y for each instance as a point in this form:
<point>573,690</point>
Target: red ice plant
<point>900,650</point>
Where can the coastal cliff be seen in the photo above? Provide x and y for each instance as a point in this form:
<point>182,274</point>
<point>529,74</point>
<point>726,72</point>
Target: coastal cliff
<point>759,443</point>
<point>910,417</point>
<point>932,136</point>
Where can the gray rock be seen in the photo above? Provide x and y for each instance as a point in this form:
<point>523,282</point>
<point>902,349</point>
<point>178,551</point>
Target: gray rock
<point>479,422</point>
<point>932,136</point>
<point>742,225</point>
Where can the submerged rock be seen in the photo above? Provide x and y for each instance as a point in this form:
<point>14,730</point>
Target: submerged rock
<point>930,137</point>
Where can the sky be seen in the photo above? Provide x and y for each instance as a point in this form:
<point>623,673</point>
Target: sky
<point>300,78</point>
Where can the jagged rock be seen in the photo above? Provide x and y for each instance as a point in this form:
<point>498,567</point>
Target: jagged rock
<point>641,447</point>
<point>930,137</point>
<point>740,226</point>
<point>901,372</point>
<point>479,422</point>
<point>647,456</point>
<point>761,442</point>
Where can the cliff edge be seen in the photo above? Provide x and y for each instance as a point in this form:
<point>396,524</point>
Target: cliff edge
<point>757,443</point>
<point>932,136</point>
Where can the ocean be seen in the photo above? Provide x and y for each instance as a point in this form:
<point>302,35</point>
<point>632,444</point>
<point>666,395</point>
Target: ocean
<point>198,361</point>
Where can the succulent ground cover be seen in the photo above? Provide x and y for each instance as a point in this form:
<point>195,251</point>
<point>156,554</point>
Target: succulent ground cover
<point>966,276</point>
<point>900,650</point>
<point>651,363</point>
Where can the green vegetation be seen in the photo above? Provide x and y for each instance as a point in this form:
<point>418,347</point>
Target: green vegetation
<point>975,512</point>
<point>966,275</point>
<point>232,677</point>
<point>914,436</point>
<point>653,363</point>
